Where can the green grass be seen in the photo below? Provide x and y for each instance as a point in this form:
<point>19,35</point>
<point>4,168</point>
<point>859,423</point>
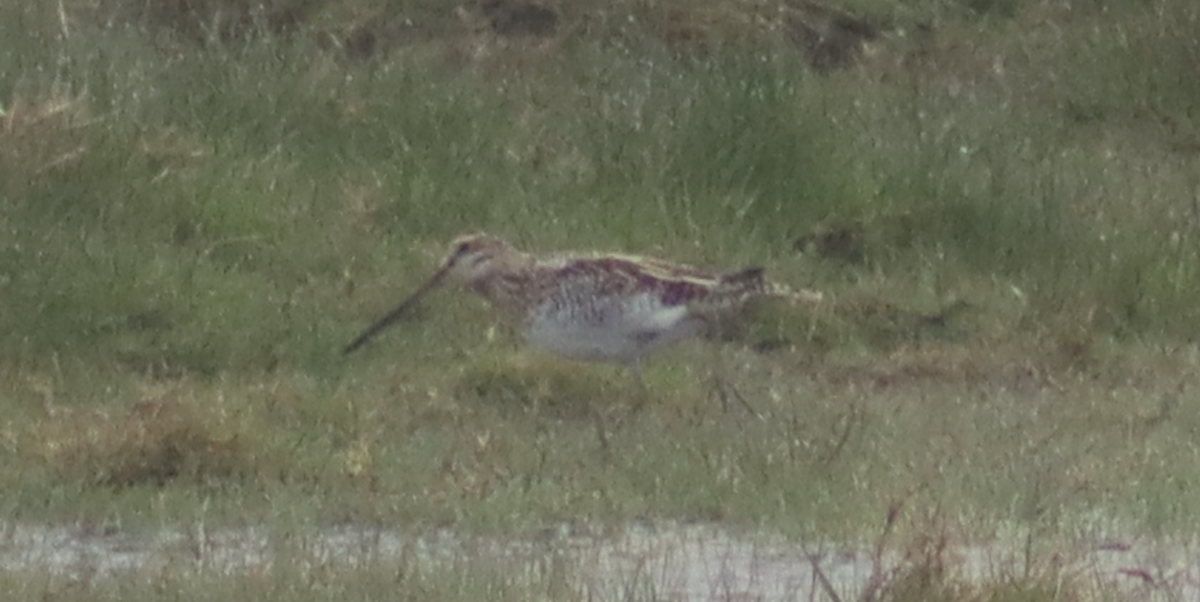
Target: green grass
<point>1002,218</point>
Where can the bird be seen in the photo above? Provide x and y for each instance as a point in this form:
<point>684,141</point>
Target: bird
<point>610,308</point>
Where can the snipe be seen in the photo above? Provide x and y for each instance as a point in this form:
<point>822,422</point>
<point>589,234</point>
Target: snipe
<point>605,307</point>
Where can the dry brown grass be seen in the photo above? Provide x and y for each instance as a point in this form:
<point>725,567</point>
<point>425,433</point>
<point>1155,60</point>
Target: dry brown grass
<point>154,441</point>
<point>202,20</point>
<point>829,37</point>
<point>38,135</point>
<point>927,566</point>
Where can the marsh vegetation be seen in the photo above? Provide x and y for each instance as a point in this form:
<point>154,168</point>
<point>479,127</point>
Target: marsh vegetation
<point>202,201</point>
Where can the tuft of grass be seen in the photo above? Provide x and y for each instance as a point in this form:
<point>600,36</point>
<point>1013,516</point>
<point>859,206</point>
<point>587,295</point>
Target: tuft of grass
<point>929,565</point>
<point>156,441</point>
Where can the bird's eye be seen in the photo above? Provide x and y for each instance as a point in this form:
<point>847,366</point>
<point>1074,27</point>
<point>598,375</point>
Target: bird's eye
<point>462,248</point>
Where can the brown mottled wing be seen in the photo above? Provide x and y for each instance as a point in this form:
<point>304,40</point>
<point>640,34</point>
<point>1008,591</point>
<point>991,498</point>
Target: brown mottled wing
<point>707,292</point>
<point>675,284</point>
<point>618,275</point>
<point>750,278</point>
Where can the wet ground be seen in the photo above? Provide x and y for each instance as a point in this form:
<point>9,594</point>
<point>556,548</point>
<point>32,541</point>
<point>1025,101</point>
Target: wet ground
<point>665,562</point>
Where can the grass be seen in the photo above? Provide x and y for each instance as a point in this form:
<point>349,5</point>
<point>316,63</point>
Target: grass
<point>199,210</point>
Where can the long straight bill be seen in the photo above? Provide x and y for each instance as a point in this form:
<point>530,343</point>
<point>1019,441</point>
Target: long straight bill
<point>397,313</point>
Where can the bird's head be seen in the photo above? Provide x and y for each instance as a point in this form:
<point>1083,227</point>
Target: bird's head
<point>474,256</point>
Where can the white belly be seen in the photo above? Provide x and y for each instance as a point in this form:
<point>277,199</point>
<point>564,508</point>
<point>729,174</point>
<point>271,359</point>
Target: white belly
<point>619,330</point>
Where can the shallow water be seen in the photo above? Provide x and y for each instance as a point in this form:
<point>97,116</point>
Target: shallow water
<point>669,561</point>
